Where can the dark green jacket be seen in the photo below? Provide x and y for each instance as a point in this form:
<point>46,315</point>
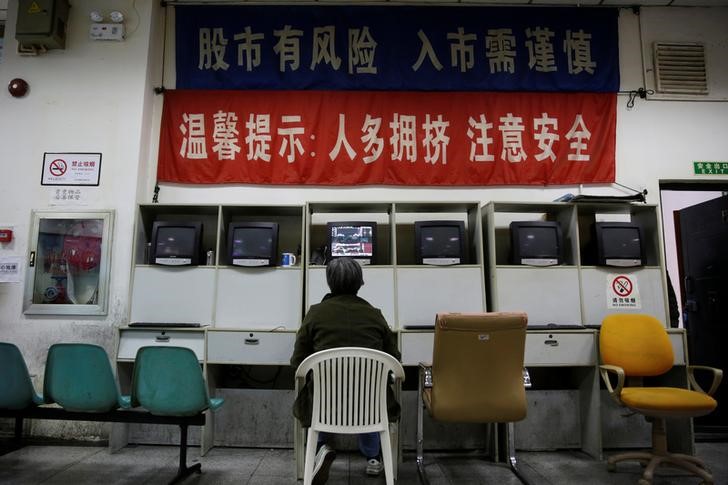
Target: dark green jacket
<point>341,321</point>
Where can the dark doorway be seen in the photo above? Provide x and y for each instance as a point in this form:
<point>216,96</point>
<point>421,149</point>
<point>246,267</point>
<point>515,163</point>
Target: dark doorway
<point>701,247</point>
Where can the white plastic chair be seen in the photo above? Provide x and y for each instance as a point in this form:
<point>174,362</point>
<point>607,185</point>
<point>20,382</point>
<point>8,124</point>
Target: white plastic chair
<point>350,397</point>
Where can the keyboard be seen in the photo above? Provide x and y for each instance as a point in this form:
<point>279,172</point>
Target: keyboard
<point>165,324</point>
<point>423,326</point>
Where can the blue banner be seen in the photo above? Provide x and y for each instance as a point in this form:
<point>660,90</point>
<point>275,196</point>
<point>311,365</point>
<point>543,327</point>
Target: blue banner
<point>397,48</point>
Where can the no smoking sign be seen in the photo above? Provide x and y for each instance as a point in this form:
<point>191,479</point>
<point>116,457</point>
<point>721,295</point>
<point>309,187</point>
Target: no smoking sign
<point>58,167</point>
<point>622,285</point>
<point>71,169</point>
<point>622,291</point>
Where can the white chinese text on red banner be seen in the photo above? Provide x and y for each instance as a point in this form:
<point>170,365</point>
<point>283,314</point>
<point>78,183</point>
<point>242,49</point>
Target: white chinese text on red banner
<point>387,138</point>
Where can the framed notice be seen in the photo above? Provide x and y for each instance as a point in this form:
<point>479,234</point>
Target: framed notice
<point>71,169</point>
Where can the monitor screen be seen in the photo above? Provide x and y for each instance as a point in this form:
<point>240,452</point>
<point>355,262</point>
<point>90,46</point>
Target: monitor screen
<point>440,242</point>
<point>175,243</point>
<point>353,239</point>
<point>619,244</point>
<point>536,243</point>
<point>253,243</point>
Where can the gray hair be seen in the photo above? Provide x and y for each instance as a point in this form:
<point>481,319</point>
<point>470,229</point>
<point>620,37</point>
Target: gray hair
<point>344,276</point>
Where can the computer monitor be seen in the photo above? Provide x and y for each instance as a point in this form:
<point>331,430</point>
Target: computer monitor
<point>176,243</point>
<point>619,244</point>
<point>440,242</point>
<point>252,243</point>
<point>354,239</point>
<point>536,243</point>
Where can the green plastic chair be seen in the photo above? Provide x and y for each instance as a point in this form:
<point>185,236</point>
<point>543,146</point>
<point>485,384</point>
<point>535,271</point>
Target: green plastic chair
<point>17,391</point>
<point>16,388</point>
<point>168,381</point>
<point>79,378</point>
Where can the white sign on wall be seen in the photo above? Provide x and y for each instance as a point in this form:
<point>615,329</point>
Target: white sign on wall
<point>9,269</point>
<point>63,196</point>
<point>71,169</point>
<point>623,292</point>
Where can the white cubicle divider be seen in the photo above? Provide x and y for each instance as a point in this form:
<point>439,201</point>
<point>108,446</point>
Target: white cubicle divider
<point>378,288</point>
<point>423,292</point>
<point>547,295</point>
<point>577,291</point>
<point>645,287</point>
<point>258,298</point>
<point>173,295</point>
<point>253,313</point>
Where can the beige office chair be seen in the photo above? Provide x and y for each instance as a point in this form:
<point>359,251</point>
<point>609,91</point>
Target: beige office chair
<point>476,374</point>
<point>633,346</point>
<point>350,397</point>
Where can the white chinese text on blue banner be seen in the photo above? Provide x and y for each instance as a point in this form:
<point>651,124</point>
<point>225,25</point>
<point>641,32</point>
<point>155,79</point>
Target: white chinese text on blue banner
<point>460,48</point>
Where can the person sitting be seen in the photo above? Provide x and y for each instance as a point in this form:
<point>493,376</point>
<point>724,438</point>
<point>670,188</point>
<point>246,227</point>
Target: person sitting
<point>343,319</point>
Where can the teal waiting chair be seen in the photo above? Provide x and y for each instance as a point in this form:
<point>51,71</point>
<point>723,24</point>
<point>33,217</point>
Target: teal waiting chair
<point>168,381</point>
<point>17,391</point>
<point>16,388</point>
<point>78,377</point>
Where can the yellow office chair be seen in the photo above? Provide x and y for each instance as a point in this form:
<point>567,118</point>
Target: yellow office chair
<point>633,346</point>
<point>476,374</point>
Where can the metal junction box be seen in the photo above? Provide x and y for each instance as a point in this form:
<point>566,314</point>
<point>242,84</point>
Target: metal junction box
<point>42,23</point>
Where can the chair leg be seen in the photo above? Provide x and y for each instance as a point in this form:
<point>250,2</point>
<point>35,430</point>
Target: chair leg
<point>641,456</point>
<point>420,436</point>
<point>696,468</point>
<point>690,458</point>
<point>511,444</point>
<point>386,447</point>
<point>659,455</point>
<point>18,431</point>
<point>396,448</point>
<point>184,471</point>
<point>308,464</point>
<point>671,460</point>
<point>299,447</point>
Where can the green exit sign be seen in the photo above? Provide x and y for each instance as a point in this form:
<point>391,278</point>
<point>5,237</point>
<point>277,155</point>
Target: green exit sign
<point>710,168</point>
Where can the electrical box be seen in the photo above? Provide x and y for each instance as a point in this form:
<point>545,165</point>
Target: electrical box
<point>106,32</point>
<point>42,23</point>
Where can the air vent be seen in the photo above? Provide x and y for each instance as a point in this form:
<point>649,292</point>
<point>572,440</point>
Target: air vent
<point>680,68</point>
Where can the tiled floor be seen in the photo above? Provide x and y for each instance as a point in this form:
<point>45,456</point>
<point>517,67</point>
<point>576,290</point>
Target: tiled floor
<point>144,464</point>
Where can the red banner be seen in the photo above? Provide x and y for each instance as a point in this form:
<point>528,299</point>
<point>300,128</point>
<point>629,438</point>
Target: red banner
<point>387,138</point>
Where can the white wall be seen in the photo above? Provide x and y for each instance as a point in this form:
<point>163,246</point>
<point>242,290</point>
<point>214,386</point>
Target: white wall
<point>90,97</point>
<point>677,25</point>
<point>97,97</point>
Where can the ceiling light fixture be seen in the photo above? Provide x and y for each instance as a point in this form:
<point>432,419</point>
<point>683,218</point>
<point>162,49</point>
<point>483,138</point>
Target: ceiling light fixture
<point>116,17</point>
